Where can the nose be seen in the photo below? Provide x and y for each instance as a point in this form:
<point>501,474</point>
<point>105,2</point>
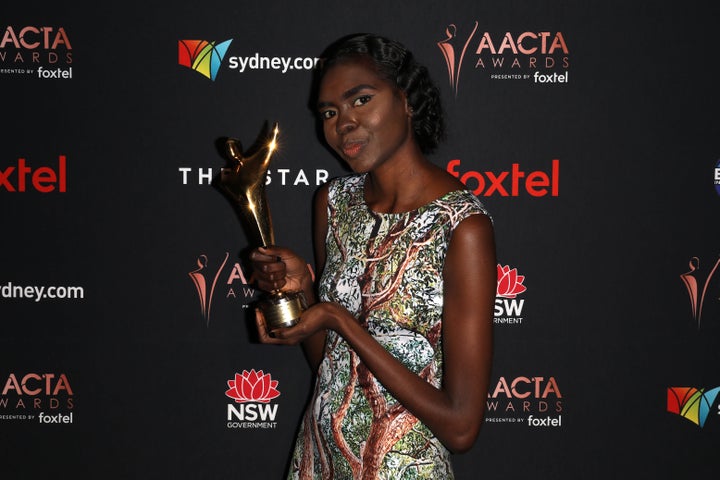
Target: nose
<point>346,122</point>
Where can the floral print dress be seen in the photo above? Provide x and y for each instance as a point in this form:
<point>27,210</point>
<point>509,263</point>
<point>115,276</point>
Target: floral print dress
<point>386,269</point>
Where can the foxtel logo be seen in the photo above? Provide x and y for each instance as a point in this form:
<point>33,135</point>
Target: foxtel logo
<point>23,177</point>
<point>692,403</point>
<point>510,183</point>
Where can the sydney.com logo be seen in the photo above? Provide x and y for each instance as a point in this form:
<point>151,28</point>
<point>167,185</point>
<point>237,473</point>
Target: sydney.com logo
<point>202,56</point>
<point>694,404</point>
<point>206,57</point>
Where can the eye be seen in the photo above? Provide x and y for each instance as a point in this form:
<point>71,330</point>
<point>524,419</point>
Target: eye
<point>327,114</point>
<point>362,100</point>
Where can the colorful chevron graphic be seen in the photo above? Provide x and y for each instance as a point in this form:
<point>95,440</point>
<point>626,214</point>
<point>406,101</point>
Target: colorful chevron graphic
<point>691,403</point>
<point>202,56</point>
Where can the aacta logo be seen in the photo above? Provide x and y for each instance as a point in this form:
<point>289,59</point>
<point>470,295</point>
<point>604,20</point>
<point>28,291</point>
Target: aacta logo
<point>698,285</point>
<point>526,388</point>
<point>535,401</point>
<point>44,179</point>
<point>202,56</point>
<point>233,284</point>
<point>206,281</point>
<point>508,308</point>
<point>252,391</point>
<point>692,403</point>
<point>35,44</point>
<point>36,390</point>
<point>510,183</point>
<point>512,51</point>
<point>716,177</point>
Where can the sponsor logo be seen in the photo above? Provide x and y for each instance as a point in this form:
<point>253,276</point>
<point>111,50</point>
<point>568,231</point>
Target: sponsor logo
<point>39,52</point>
<point>207,58</point>
<point>214,278</point>
<point>716,177</point>
<point>508,308</point>
<point>510,183</point>
<point>207,278</point>
<point>698,283</point>
<point>278,64</point>
<point>252,392</point>
<point>37,293</point>
<point>531,401</point>
<point>279,176</point>
<point>45,398</point>
<point>539,57</point>
<point>693,404</point>
<point>23,177</point>
<point>202,56</point>
<point>252,386</point>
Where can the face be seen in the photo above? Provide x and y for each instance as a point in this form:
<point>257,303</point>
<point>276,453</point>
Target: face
<point>365,119</point>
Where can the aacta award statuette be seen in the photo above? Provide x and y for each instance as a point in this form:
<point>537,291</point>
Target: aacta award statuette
<point>244,181</point>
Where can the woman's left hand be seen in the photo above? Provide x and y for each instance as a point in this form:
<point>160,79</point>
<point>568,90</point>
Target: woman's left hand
<point>317,318</point>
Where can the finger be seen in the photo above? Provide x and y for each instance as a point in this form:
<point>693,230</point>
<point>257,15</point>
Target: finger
<point>292,335</point>
<point>263,254</point>
<point>263,334</point>
<point>274,253</point>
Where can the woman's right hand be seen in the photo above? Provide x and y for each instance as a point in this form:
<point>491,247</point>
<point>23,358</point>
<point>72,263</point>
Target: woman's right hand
<point>278,268</point>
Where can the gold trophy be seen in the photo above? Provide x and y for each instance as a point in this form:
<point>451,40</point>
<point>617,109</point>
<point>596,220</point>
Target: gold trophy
<point>245,181</point>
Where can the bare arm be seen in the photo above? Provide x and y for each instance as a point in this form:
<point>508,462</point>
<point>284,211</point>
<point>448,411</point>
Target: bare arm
<point>315,343</point>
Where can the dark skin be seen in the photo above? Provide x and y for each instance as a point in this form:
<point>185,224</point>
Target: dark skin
<point>368,122</point>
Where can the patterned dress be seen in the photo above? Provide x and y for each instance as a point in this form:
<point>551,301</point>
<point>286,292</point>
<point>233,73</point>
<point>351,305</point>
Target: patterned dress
<point>386,269</point>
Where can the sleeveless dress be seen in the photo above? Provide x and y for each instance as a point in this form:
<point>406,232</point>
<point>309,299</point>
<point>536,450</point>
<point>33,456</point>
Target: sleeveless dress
<point>386,269</point>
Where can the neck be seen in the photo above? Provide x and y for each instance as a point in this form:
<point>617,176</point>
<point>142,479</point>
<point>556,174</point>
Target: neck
<point>400,189</point>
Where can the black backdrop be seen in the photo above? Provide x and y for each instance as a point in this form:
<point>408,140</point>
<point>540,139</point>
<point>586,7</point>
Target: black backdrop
<point>109,144</point>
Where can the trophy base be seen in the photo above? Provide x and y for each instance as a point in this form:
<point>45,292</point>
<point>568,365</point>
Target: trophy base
<point>282,309</point>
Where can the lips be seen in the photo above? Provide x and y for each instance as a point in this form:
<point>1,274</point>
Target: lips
<point>352,149</point>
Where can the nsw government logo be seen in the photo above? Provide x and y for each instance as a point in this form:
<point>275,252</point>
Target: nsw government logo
<point>508,308</point>
<point>252,392</point>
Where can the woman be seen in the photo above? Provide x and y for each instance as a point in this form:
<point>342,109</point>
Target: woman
<point>401,331</point>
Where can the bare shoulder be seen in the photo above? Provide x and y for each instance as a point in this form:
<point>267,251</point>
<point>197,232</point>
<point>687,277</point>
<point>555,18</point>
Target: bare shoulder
<point>321,194</point>
<point>441,182</point>
<point>475,232</point>
<point>473,241</point>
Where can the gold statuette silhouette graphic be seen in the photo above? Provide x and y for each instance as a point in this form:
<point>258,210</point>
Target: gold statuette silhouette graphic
<point>245,181</point>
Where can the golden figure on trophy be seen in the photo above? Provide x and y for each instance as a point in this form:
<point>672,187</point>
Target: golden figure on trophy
<point>245,182</point>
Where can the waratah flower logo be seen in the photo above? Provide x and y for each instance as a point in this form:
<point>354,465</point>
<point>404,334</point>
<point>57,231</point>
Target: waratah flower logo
<point>509,283</point>
<point>252,386</point>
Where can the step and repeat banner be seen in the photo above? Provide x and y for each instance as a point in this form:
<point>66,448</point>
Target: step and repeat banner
<point>127,342</point>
